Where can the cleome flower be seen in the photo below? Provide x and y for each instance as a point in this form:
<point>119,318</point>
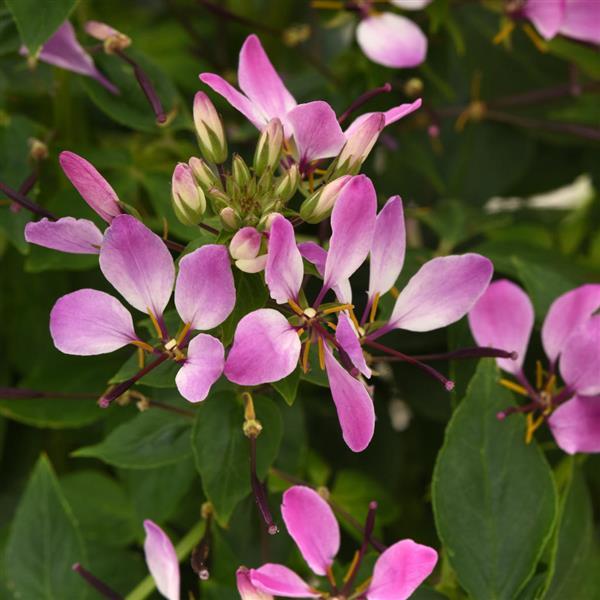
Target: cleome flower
<point>398,571</point>
<point>139,266</point>
<point>571,339</point>
<point>268,346</point>
<point>312,130</point>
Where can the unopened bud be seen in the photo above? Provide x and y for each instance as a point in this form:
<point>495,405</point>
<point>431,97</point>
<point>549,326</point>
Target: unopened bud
<point>288,184</point>
<point>268,149</point>
<point>413,88</point>
<point>240,171</point>
<point>319,206</point>
<point>219,199</point>
<point>211,135</point>
<point>360,141</point>
<point>245,243</point>
<point>37,149</point>
<point>229,218</point>
<point>267,220</point>
<point>113,40</point>
<point>189,202</point>
<point>203,174</point>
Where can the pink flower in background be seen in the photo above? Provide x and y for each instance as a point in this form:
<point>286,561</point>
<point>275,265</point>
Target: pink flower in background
<point>389,39</point>
<point>162,560</point>
<point>139,266</point>
<point>577,19</point>
<point>571,339</point>
<point>64,51</point>
<point>78,236</point>
<point>313,126</point>
<point>267,346</point>
<point>397,573</point>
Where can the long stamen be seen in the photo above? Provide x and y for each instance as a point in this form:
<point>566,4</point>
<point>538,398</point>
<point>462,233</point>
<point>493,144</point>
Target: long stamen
<point>321,347</point>
<point>363,99</point>
<point>295,307</point>
<point>142,345</point>
<point>155,323</point>
<point>25,202</point>
<point>101,587</point>
<point>336,309</point>
<point>306,354</point>
<point>183,333</point>
<point>374,308</point>
<point>474,352</point>
<point>539,374</point>
<point>515,387</point>
<point>448,384</point>
<point>200,554</point>
<point>511,410</point>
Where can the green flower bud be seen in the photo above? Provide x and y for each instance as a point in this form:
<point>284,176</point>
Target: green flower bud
<point>203,174</point>
<point>319,206</point>
<point>229,218</point>
<point>239,171</point>
<point>189,202</point>
<point>288,184</point>
<point>268,149</point>
<point>219,199</point>
<point>211,135</point>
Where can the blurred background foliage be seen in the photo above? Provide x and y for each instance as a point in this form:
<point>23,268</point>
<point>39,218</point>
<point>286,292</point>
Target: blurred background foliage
<point>471,181</point>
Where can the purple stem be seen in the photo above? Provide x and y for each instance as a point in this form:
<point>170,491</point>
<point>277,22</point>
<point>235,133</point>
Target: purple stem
<point>200,554</point>
<point>259,491</point>
<point>363,99</point>
<point>25,202</point>
<point>101,587</point>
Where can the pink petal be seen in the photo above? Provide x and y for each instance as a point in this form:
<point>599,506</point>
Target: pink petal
<point>245,244</point>
<point>252,265</point>
<point>503,318</point>
<point>346,336</point>
<point>391,116</point>
<point>388,247</point>
<point>94,189</point>
<point>235,98</point>
<point>566,314</point>
<point>441,292</point>
<point>138,264</point>
<point>352,226</point>
<point>265,348</point>
<point>316,131</point>
<point>259,80</point>
<point>360,140</point>
<point>580,359</point>
<point>89,322</point>
<point>411,4</point>
<point>582,20</point>
<point>546,15</point>
<point>392,40</point>
<point>284,270</point>
<point>400,570</point>
<point>77,236</point>
<point>279,580</point>
<point>353,403</point>
<point>203,366</point>
<point>312,525</point>
<point>575,425</point>
<point>161,560</point>
<point>245,588</point>
<point>205,292</point>
<point>64,51</point>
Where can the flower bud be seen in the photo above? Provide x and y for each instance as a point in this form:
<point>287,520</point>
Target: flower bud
<point>360,141</point>
<point>203,174</point>
<point>319,206</point>
<point>229,219</point>
<point>288,184</point>
<point>113,40</point>
<point>267,220</point>
<point>219,199</point>
<point>244,248</point>
<point>240,171</point>
<point>189,202</point>
<point>38,150</point>
<point>413,87</point>
<point>211,135</point>
<point>268,149</point>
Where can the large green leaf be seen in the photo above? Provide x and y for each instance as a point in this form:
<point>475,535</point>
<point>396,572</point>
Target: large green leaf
<point>37,21</point>
<point>45,541</point>
<point>222,450</point>
<point>493,495</point>
<point>153,438</point>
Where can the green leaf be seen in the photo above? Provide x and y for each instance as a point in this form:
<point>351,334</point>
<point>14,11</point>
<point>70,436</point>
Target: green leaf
<point>222,450</point>
<point>288,386</point>
<point>584,56</point>
<point>251,294</point>
<point>493,495</point>
<point>153,438</point>
<point>37,21</point>
<point>161,377</point>
<point>101,507</point>
<point>45,541</point>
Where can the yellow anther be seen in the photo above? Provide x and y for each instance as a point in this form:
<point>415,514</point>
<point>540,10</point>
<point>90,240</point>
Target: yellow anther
<point>355,320</point>
<point>332,325</point>
<point>532,34</point>
<point>374,308</point>
<point>300,331</point>
<point>140,353</point>
<point>305,354</point>
<point>507,28</point>
<point>295,307</point>
<point>551,384</point>
<point>532,426</point>
<point>394,291</point>
<point>172,347</point>
<point>183,333</point>
<point>539,375</point>
<point>154,322</point>
<point>336,309</point>
<point>321,353</point>
<point>515,387</point>
<point>249,413</point>
<point>331,577</point>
